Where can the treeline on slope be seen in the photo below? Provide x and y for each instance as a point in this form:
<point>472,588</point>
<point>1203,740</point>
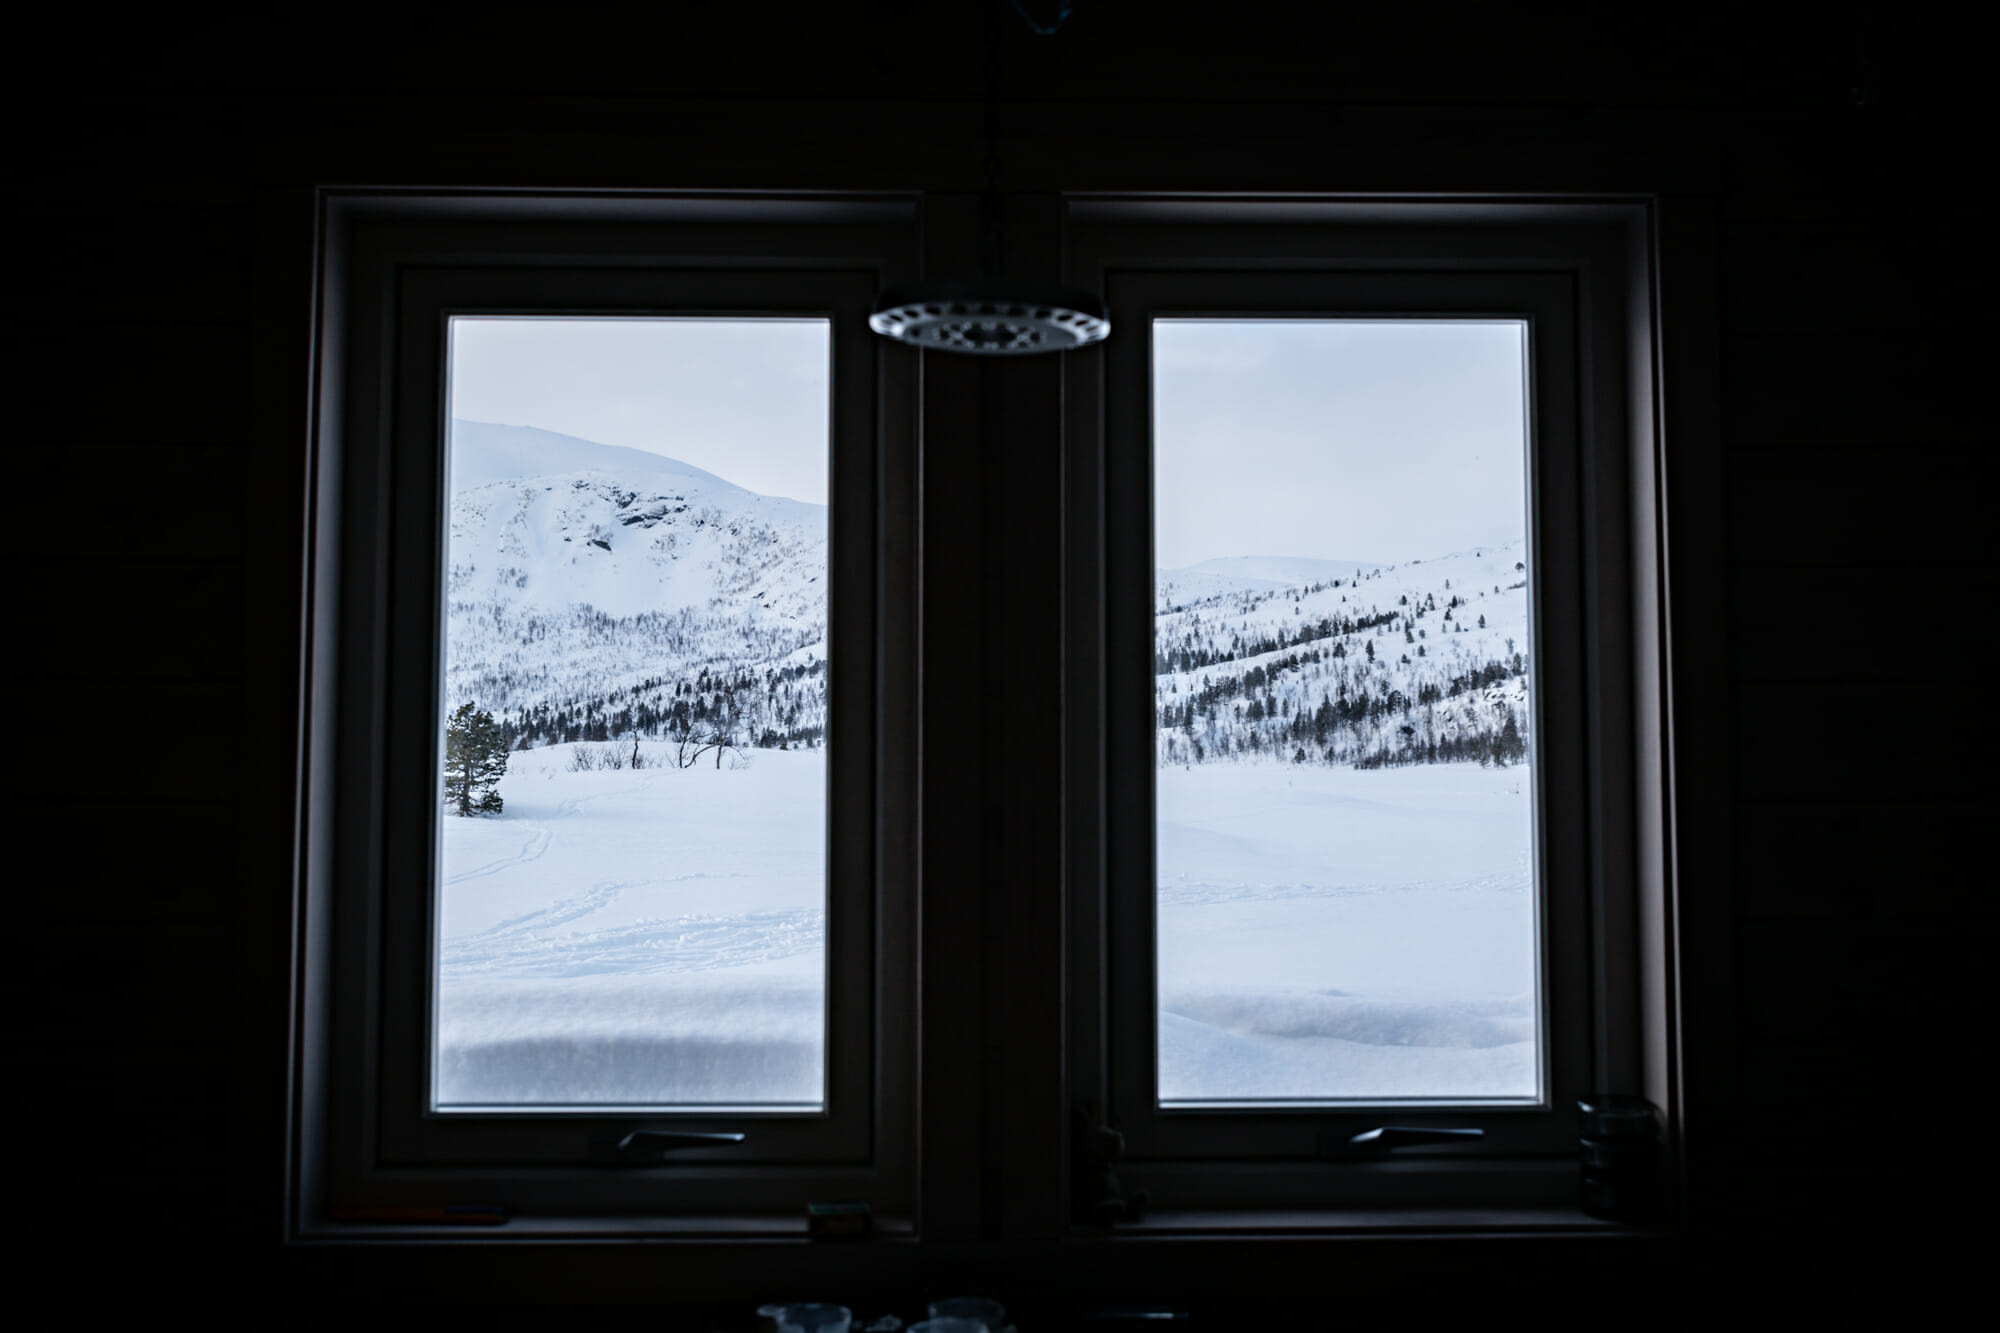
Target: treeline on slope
<point>1193,653</point>
<point>776,708</point>
<point>1474,715</point>
<point>504,656</point>
<point>1190,650</point>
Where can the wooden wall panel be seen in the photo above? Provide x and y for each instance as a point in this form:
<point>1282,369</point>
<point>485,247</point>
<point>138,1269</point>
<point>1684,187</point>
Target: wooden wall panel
<point>1858,538</point>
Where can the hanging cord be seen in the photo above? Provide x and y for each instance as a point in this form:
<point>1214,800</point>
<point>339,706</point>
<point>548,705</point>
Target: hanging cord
<point>1862,91</point>
<point>990,208</point>
<point>989,108</point>
<point>1043,29</point>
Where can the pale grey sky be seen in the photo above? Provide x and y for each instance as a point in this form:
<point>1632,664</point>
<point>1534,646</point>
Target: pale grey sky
<point>746,399</point>
<point>1342,439</point>
<point>1348,439</point>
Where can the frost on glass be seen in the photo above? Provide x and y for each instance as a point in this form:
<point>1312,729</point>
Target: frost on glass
<point>632,884</point>
<point>1347,900</point>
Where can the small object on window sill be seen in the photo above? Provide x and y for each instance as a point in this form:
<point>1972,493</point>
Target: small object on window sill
<point>448,1215</point>
<point>831,1221</point>
<point>1620,1156</point>
<point>809,1317</point>
<point>1096,1196</point>
<point>981,1310</point>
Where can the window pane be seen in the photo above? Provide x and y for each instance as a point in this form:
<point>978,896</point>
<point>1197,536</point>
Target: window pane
<point>632,890</point>
<point>1347,895</point>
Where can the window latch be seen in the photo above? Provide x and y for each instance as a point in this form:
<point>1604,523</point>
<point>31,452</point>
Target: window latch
<point>1379,1142</point>
<point>649,1145</point>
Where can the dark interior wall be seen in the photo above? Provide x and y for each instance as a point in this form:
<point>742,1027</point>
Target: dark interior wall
<point>161,515</point>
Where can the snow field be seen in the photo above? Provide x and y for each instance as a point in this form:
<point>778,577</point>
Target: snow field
<point>641,936</point>
<point>1331,933</point>
<point>655,936</point>
<point>749,1036</point>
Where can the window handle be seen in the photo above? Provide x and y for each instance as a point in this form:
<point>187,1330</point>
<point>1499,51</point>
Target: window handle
<point>645,1141</point>
<point>1385,1139</point>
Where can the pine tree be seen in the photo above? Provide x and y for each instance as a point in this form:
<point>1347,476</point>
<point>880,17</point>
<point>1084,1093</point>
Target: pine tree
<point>475,759</point>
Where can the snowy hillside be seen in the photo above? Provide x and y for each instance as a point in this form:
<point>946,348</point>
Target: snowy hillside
<point>1175,588</point>
<point>1369,665</point>
<point>483,452</point>
<point>596,590</point>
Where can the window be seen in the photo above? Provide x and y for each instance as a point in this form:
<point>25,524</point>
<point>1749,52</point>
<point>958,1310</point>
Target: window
<point>674,973</point>
<point>627,626</point>
<point>608,901</point>
<point>1364,833</point>
<point>1344,795</point>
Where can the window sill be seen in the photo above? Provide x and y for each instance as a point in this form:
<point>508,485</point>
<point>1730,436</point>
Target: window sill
<point>1187,1223</point>
<point>1527,1220</point>
<point>774,1227</point>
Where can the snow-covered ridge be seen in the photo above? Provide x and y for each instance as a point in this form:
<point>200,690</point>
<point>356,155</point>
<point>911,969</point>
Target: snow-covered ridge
<point>550,521</point>
<point>1248,573</point>
<point>1347,662</point>
<point>598,589</point>
<point>483,452</point>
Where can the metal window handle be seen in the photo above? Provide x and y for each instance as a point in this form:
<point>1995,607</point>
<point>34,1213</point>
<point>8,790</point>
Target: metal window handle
<point>669,1140</point>
<point>1385,1139</point>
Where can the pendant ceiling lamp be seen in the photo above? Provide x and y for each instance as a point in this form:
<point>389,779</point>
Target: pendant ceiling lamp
<point>990,315</point>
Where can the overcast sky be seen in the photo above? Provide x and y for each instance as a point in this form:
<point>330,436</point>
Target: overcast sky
<point>1354,440</point>
<point>746,399</point>
<point>1348,439</point>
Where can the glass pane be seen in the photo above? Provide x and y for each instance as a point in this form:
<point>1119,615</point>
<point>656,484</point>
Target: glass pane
<point>1347,904</point>
<point>631,900</point>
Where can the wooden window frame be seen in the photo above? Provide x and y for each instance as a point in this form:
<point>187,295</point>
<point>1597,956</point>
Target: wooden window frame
<point>394,267</point>
<point>1580,272</point>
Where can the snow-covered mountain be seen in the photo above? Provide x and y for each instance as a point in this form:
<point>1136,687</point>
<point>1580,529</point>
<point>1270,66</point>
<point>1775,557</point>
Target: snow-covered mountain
<point>549,521</point>
<point>1174,588</point>
<point>597,591</point>
<point>594,590</point>
<point>1344,661</point>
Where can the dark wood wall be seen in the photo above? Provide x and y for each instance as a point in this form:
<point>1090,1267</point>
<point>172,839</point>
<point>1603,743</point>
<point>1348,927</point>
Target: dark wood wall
<point>158,480</point>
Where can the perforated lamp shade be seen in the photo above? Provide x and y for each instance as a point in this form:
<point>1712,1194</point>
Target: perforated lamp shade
<point>990,319</point>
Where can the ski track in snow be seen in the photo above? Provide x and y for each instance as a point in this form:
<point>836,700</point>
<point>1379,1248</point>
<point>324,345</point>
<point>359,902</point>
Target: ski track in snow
<point>539,839</point>
<point>560,912</point>
<point>531,850</point>
<point>535,945</point>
